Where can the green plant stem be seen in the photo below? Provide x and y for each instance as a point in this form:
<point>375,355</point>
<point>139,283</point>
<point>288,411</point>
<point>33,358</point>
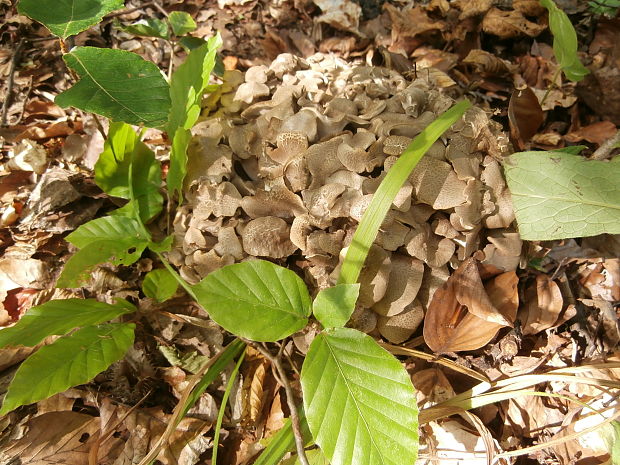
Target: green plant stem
<point>220,415</point>
<point>551,85</point>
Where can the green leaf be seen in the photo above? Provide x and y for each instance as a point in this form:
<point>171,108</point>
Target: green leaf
<point>151,27</point>
<point>107,228</point>
<point>572,149</point>
<point>314,456</point>
<point>163,246</point>
<point>119,252</point>
<point>557,195</point>
<point>359,401</point>
<point>384,196</point>
<point>159,285</point>
<point>564,42</point>
<point>127,169</point>
<point>117,84</point>
<point>189,43</point>
<point>187,85</point>
<point>611,435</point>
<point>181,22</point>
<point>333,306</point>
<point>65,18</point>
<point>58,317</point>
<point>256,300</point>
<point>69,361</point>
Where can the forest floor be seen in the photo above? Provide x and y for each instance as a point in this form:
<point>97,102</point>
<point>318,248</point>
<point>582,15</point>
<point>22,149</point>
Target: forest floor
<point>565,292</point>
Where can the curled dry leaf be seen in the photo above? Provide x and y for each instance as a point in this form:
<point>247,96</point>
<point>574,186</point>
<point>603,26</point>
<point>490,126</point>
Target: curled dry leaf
<point>487,63</point>
<point>510,24</point>
<point>542,306</point>
<point>466,314</point>
<point>524,115</point>
<point>340,14</point>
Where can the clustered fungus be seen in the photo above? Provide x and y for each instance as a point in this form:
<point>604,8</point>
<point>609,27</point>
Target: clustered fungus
<point>285,162</point>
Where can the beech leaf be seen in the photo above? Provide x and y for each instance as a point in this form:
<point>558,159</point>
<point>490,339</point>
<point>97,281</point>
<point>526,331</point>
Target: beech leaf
<point>159,285</point>
<point>128,88</point>
<point>68,361</point>
<point>58,317</point>
<point>333,306</point>
<point>359,401</point>
<point>256,300</point>
<point>65,18</point>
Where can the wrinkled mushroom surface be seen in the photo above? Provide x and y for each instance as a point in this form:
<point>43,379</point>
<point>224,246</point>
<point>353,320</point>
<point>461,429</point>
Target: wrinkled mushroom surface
<point>285,162</point>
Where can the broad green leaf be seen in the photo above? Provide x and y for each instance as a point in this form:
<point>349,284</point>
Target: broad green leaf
<point>558,195</point>
<point>117,84</point>
<point>68,361</point>
<point>189,43</point>
<point>107,228</point>
<point>564,42</point>
<point>58,317</point>
<point>314,456</point>
<point>127,169</point>
<point>187,85</point>
<point>283,441</point>
<point>181,22</point>
<point>162,246</point>
<point>611,435</point>
<point>333,306</point>
<point>384,196</point>
<point>359,401</point>
<point>256,300</point>
<point>151,27</point>
<point>65,18</point>
<point>119,252</point>
<point>572,149</point>
<point>159,285</point>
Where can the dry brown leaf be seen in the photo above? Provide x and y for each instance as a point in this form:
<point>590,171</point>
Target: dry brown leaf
<point>340,14</point>
<point>542,306</point>
<point>596,133</point>
<point>487,63</point>
<point>465,314</point>
<point>524,115</point>
<point>510,24</point>
<point>54,437</point>
<point>470,8</point>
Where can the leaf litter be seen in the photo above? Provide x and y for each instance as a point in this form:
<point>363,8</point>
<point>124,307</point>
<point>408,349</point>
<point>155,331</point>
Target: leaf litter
<point>561,297</point>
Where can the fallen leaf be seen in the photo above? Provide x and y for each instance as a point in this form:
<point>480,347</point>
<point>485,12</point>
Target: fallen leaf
<point>466,314</point>
<point>487,63</point>
<point>510,24</point>
<point>542,305</point>
<point>340,14</point>
<point>524,115</point>
<point>596,133</point>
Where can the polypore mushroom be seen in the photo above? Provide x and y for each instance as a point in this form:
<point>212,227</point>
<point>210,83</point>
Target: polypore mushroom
<point>267,237</point>
<point>405,280</point>
<point>399,328</point>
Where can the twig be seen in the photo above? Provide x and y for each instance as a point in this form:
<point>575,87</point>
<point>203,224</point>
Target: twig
<point>290,400</point>
<point>550,86</point>
<point>604,151</point>
<point>10,82</point>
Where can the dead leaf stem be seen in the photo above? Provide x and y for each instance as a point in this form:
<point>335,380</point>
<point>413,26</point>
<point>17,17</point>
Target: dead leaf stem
<point>10,82</point>
<point>290,400</point>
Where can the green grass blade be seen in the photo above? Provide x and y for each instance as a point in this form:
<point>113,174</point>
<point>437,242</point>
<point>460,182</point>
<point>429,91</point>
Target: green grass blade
<point>382,200</point>
<point>284,441</point>
<point>234,349</point>
<point>220,415</point>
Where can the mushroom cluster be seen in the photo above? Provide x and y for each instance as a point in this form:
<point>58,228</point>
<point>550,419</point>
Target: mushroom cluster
<point>287,158</point>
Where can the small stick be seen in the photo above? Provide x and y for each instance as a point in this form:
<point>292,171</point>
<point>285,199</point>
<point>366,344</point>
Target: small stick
<point>276,362</point>
<point>604,151</point>
<point>10,82</point>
